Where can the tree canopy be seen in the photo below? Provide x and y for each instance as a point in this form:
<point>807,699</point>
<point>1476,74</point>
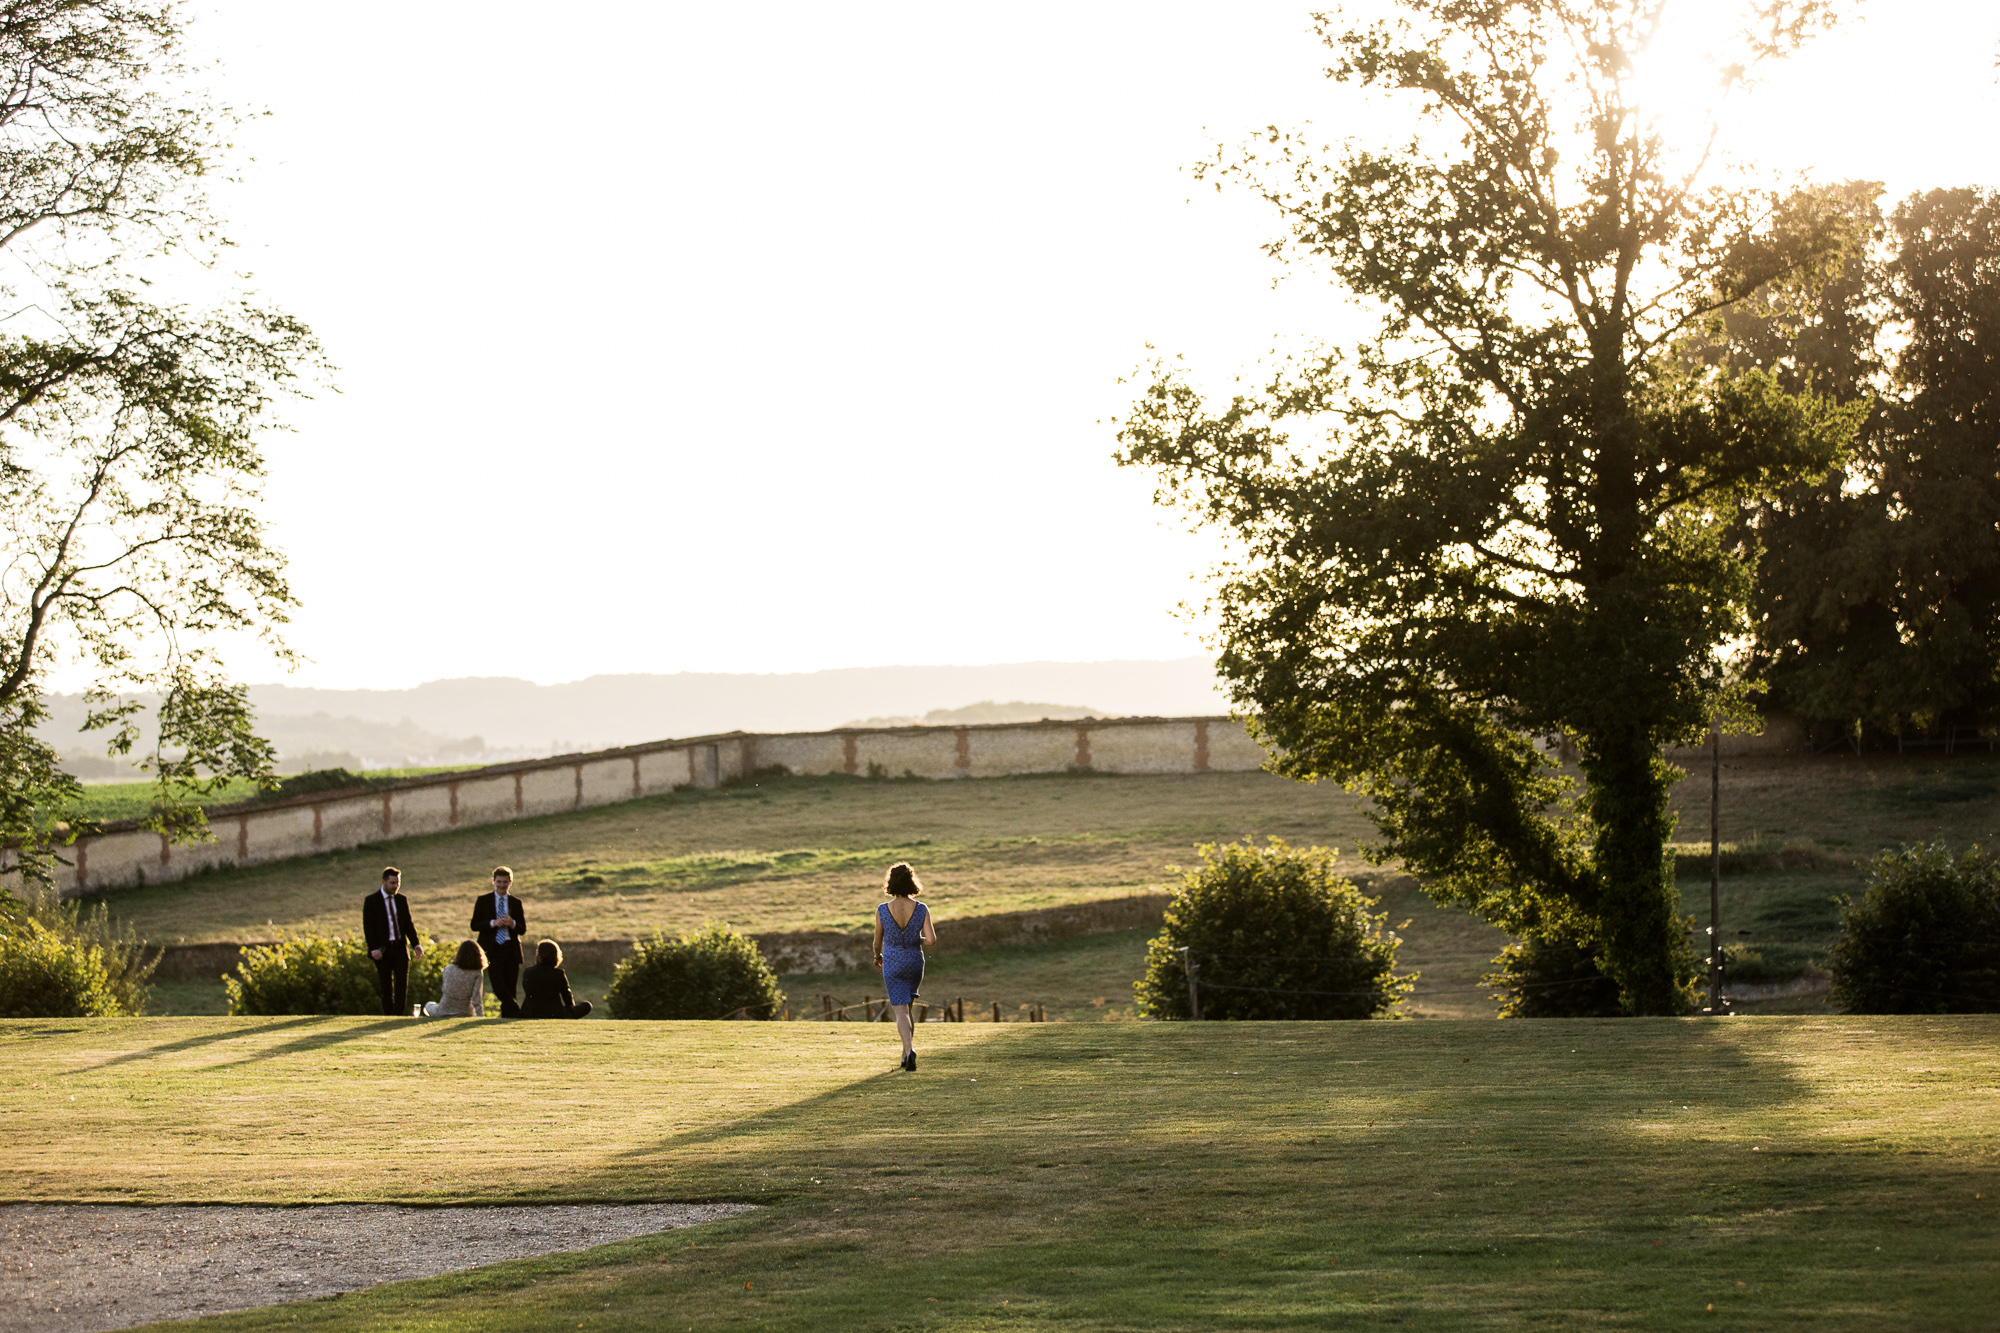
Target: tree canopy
<point>1878,601</point>
<point>130,464</point>
<point>1510,517</point>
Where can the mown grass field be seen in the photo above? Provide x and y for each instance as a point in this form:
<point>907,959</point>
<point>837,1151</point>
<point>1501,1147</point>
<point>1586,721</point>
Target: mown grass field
<point>1759,1173</point>
<point>808,853</point>
<point>130,800</point>
<point>800,854</point>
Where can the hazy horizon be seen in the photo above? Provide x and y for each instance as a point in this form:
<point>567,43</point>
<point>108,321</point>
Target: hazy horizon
<point>489,718</point>
<point>831,383</point>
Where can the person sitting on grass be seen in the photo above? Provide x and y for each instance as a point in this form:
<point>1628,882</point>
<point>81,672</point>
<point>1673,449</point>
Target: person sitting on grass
<point>544,988</point>
<point>464,986</point>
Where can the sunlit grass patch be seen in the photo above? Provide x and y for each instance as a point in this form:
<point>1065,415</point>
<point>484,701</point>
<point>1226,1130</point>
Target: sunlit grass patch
<point>1107,1175</point>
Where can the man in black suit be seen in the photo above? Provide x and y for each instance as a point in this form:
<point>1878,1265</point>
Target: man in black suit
<point>498,918</point>
<point>392,940</point>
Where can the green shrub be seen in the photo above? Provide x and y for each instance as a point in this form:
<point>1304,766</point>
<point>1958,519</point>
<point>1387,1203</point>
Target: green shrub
<point>318,780</point>
<point>1764,964</point>
<point>712,972</point>
<point>312,974</point>
<point>43,975</point>
<point>1924,938</point>
<point>1542,978</point>
<point>757,777</point>
<point>1277,935</point>
<point>58,960</point>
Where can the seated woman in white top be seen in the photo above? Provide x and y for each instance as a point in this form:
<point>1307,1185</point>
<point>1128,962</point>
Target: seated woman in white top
<point>464,986</point>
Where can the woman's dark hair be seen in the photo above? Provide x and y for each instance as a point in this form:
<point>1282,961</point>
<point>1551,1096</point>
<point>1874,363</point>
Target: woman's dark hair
<point>902,881</point>
<point>471,958</point>
<point>548,953</point>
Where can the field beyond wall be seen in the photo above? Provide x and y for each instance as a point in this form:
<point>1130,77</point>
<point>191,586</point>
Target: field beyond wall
<point>802,854</point>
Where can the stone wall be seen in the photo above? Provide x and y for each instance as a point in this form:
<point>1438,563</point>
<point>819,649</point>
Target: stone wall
<point>123,856</point>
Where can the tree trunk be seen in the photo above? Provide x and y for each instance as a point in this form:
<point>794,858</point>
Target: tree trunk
<point>1642,943</point>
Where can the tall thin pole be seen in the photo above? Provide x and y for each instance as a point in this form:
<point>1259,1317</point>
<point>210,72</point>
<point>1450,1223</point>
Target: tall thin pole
<point>1715,866</point>
<point>1193,970</point>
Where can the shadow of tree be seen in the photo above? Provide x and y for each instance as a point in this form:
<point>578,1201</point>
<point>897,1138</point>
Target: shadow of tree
<point>1288,1175</point>
<point>319,1040</point>
<point>194,1043</point>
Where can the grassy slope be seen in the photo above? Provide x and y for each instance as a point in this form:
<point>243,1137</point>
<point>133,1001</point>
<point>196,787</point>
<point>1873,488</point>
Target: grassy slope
<point>1777,923</point>
<point>1748,1174</point>
<point>1077,980</point>
<point>1842,803</point>
<point>806,853</point>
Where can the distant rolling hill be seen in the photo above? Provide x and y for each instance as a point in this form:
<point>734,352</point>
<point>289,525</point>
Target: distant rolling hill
<point>484,718</point>
<point>621,710</point>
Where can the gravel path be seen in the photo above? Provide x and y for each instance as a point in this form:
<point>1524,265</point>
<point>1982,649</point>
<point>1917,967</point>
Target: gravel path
<point>69,1268</point>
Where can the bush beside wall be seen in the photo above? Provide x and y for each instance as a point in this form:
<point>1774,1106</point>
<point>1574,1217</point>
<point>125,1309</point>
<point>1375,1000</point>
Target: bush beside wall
<point>312,974</point>
<point>712,972</point>
<point>1924,938</point>
<point>1277,935</point>
<point>59,961</point>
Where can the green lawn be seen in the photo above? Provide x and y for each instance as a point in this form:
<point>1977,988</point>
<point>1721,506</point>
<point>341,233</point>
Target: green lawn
<point>1760,1173</point>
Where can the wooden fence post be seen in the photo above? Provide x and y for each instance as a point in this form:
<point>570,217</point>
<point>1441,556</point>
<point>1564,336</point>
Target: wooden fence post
<point>1193,970</point>
<point>826,1003</point>
<point>996,1011</point>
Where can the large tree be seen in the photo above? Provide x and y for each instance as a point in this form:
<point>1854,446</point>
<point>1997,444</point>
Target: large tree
<point>129,458</point>
<point>1509,517</point>
<point>1878,603</point>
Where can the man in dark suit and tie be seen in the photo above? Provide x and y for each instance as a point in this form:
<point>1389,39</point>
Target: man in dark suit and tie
<point>392,940</point>
<point>498,918</point>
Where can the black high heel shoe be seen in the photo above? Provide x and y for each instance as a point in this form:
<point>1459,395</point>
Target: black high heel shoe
<point>910,1062</point>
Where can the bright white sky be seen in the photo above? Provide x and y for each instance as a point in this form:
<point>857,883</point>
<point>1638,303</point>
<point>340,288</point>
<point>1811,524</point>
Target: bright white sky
<point>686,336</point>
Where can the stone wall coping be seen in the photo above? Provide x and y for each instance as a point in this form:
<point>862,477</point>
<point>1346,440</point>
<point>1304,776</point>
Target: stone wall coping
<point>309,799</point>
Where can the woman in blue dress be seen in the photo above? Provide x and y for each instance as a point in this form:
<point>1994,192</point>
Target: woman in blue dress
<point>902,929</point>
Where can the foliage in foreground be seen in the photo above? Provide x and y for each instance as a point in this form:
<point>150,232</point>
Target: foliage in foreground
<point>1924,938</point>
<point>60,960</point>
<point>1512,514</point>
<point>315,974</point>
<point>130,462</point>
<point>713,972</point>
<point>1277,935</point>
<point>1544,978</point>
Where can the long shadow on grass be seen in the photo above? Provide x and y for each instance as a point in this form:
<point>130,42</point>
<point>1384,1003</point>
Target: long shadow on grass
<point>1151,1086</point>
<point>458,1025</point>
<point>318,1041</point>
<point>190,1043</point>
<point>1272,1176</point>
<point>1435,1160</point>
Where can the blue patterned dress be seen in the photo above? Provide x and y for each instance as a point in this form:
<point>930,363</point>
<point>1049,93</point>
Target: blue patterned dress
<point>902,953</point>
